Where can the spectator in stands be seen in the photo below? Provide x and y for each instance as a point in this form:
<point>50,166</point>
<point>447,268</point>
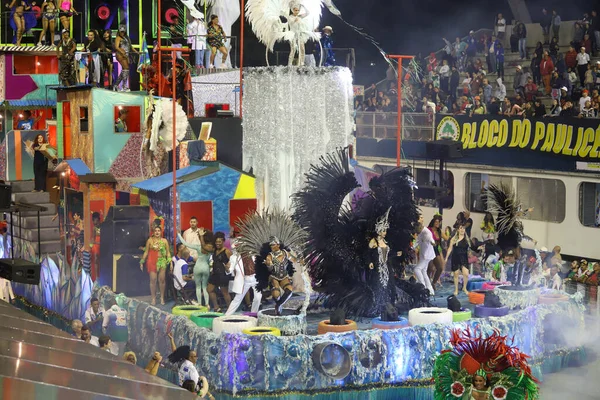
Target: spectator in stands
<point>583,60</point>
<point>507,107</point>
<point>584,98</point>
<point>589,78</point>
<point>572,76</point>
<point>500,27</point>
<point>114,324</point>
<point>154,363</point>
<point>595,31</point>
<point>130,357</point>
<point>539,109</point>
<point>448,51</point>
<point>571,58</point>
<point>535,67</point>
<point>494,107</point>
<point>519,81</point>
<point>487,91</point>
<point>478,108</point>
<point>553,49</point>
<point>587,43</point>
<point>546,70</point>
<point>491,56</point>
<point>471,48</point>
<point>86,336</point>
<point>587,111</point>
<point>546,23</point>
<point>521,33</point>
<point>444,72</point>
<point>555,109</point>
<point>560,65</point>
<point>76,328</point>
<point>105,343</point>
<point>454,80</point>
<point>500,90</point>
<point>555,23</point>
<point>578,32</point>
<point>568,110</point>
<point>500,60</point>
<point>94,314</point>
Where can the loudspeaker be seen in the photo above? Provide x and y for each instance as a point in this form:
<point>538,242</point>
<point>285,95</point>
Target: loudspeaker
<point>443,149</point>
<point>121,213</point>
<point>19,270</point>
<point>5,196</point>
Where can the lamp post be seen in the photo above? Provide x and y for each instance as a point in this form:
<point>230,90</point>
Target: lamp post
<point>400,59</point>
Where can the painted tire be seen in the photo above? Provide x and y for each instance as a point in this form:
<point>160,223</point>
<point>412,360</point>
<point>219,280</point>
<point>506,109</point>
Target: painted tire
<point>233,324</point>
<point>493,285</point>
<point>475,285</point>
<point>262,330</point>
<point>462,315</point>
<point>476,297</point>
<point>552,298</point>
<point>484,312</point>
<point>187,311</point>
<point>429,315</point>
<point>204,319</point>
<point>377,323</point>
<point>326,327</point>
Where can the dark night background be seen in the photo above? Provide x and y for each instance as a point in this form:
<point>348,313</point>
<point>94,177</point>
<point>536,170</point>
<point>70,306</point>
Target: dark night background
<point>409,27</point>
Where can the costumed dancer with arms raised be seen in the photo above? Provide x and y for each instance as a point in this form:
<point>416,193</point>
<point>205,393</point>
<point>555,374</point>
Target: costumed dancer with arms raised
<point>425,244</point>
<point>245,279</point>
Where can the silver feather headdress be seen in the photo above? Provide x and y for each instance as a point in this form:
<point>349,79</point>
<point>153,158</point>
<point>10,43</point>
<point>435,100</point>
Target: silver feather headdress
<point>267,227</point>
<point>382,223</point>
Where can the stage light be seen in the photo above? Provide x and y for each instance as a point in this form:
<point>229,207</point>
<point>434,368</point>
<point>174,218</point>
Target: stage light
<point>20,115</point>
<point>120,107</point>
<point>372,64</point>
<point>39,63</point>
<point>63,174</point>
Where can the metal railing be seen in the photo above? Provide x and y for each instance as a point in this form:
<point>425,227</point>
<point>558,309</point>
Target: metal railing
<point>280,57</point>
<point>383,125</point>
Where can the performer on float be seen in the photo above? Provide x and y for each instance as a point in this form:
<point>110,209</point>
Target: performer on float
<point>299,32</point>
<point>342,273</point>
<point>123,49</point>
<point>502,200</point>
<point>94,47</point>
<point>49,14</point>
<point>216,41</point>
<point>478,368</point>
<point>95,245</point>
<point>66,55</point>
<point>202,266</point>
<point>459,249</point>
<point>21,19</point>
<point>107,57</point>
<point>196,38</point>
<point>244,269</point>
<point>425,244</point>
<point>219,278</point>
<point>275,254</point>
<point>66,13</point>
<point>327,44</point>
<point>40,162</point>
<point>159,258</point>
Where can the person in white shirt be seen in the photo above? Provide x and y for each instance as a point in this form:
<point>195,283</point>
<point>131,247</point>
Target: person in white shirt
<point>192,236</point>
<point>583,60</point>
<point>500,90</point>
<point>585,97</point>
<point>86,336</point>
<point>184,280</point>
<point>501,27</point>
<point>555,281</point>
<point>6,292</point>
<point>425,243</point>
<point>245,279</point>
<point>94,313</point>
<point>196,38</point>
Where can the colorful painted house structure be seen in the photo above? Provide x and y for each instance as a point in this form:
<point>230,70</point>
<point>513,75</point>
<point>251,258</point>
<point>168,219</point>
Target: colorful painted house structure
<point>216,194</point>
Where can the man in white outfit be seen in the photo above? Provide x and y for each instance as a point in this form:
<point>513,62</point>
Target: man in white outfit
<point>426,254</point>
<point>245,278</point>
<point>191,235</point>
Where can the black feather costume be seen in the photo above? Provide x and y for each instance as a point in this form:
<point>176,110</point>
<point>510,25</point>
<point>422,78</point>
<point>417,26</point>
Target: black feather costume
<point>502,201</point>
<point>338,253</point>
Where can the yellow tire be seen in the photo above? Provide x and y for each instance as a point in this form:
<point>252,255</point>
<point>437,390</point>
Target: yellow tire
<point>262,330</point>
<point>187,311</point>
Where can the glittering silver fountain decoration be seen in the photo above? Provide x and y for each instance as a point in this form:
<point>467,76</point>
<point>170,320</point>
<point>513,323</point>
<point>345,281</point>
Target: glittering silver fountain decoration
<point>291,116</point>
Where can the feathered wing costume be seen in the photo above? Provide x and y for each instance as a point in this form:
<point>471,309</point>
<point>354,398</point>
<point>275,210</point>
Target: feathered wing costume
<point>504,368</point>
<point>502,201</point>
<point>339,252</point>
<point>257,232</point>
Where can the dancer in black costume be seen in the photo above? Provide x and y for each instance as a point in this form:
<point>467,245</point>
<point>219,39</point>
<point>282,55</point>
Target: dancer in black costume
<point>344,243</point>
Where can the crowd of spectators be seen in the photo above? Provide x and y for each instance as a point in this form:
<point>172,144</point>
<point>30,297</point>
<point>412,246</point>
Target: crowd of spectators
<point>468,76</point>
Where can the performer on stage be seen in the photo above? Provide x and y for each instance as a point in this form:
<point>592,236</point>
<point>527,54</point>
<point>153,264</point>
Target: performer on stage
<point>219,277</point>
<point>216,41</point>
<point>66,55</point>
<point>40,163</point>
<point>245,278</point>
<point>21,18</point>
<point>94,47</point>
<point>107,57</point>
<point>342,272</point>
<point>123,49</point>
<point>327,44</point>
<point>49,16</point>
<point>196,38</point>
<point>281,268</point>
<point>202,266</point>
<point>299,32</point>
<point>459,249</point>
<point>425,243</point>
<point>66,12</point>
<point>159,258</point>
